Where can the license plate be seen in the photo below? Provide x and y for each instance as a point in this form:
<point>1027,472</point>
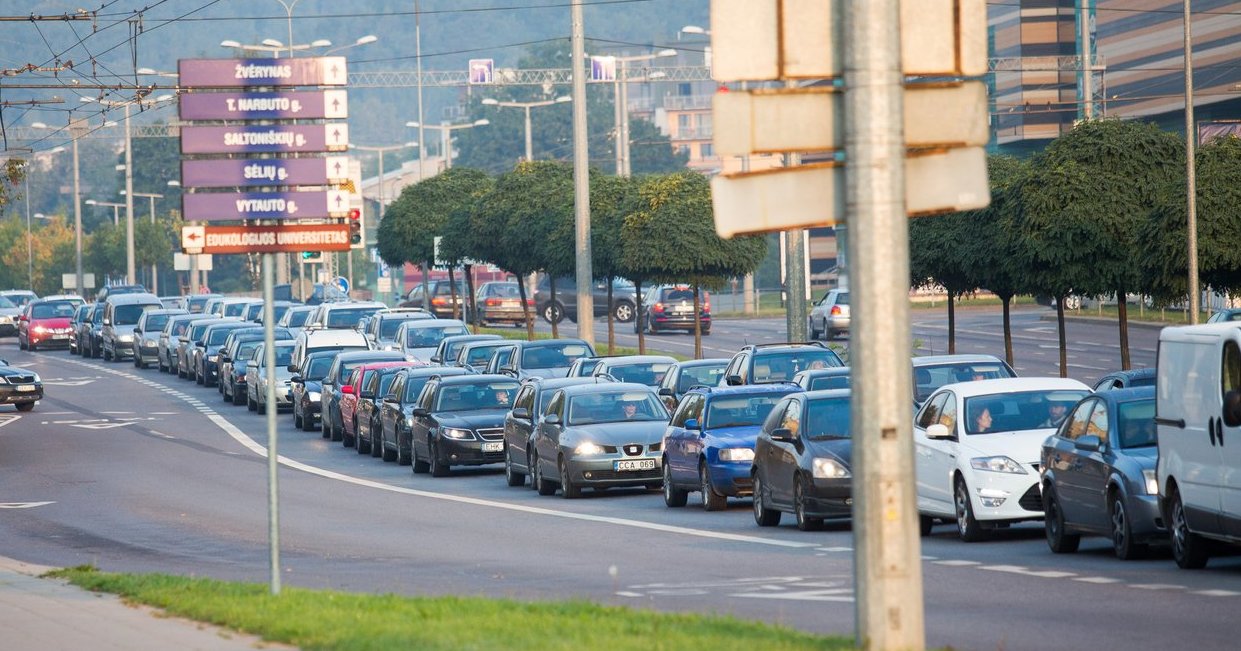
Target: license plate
<point>60,336</point>
<point>25,388</point>
<point>631,465</point>
<point>493,446</point>
<point>509,304</point>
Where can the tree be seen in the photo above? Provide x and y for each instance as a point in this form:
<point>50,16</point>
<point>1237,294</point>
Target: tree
<point>671,238</point>
<point>936,258</point>
<point>610,198</point>
<point>46,240</point>
<point>459,245</point>
<point>11,176</point>
<point>991,255</point>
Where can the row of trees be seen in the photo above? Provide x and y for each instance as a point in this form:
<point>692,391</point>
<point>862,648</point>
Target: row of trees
<point>1100,212</point>
<point>649,229</point>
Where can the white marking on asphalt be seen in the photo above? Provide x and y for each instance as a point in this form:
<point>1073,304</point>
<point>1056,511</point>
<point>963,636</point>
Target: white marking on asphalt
<point>1089,368</point>
<point>1217,593</point>
<point>22,505</point>
<point>1096,579</point>
<point>838,594</point>
<point>8,418</point>
<point>1025,571</point>
<point>951,563</point>
<point>1157,586</point>
<point>630,594</point>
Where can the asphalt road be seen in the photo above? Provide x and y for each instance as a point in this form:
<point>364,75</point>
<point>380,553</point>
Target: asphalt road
<point>139,471</point>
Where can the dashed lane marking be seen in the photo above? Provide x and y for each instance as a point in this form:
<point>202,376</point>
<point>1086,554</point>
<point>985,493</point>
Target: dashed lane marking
<point>22,505</point>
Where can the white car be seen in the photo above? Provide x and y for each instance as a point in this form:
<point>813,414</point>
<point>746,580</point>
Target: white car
<point>977,448</point>
<point>418,339</point>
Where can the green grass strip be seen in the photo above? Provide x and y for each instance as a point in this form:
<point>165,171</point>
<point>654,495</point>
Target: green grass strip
<point>324,619</point>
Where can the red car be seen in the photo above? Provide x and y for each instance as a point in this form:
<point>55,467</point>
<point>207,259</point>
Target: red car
<point>45,323</point>
<point>351,393</point>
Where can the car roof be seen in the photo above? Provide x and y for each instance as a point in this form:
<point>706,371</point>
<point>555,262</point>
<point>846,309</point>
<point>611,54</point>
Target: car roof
<point>606,387</point>
<point>130,299</point>
<point>1127,395</point>
<point>478,378</point>
<point>746,389</point>
<point>429,371</point>
<point>827,393</point>
<point>468,338</point>
<point>353,355</point>
<point>432,323</point>
<point>933,360</point>
<point>549,383</point>
<point>1014,385</point>
<point>824,372</point>
<point>786,346</point>
<point>395,364</point>
<point>620,360</point>
<point>710,361</point>
<point>1133,373</point>
<point>174,311</point>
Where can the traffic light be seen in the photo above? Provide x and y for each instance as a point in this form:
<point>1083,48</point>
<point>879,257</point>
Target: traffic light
<point>355,228</point>
<point>312,256</point>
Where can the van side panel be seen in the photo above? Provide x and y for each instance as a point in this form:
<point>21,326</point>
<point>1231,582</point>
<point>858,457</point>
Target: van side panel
<point>1188,390</point>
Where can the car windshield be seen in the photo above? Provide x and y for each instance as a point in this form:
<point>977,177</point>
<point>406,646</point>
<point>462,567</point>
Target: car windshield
<point>1017,411</point>
<point>740,411</point>
<point>648,373</point>
<point>1136,424</point>
<point>451,350</point>
<point>196,332</point>
<point>217,336</point>
<point>284,355</point>
<point>253,311</point>
<point>298,318</point>
<point>413,387</point>
<point>829,382</point>
<point>318,368</point>
<point>157,321</point>
<point>57,310</point>
<point>928,379</point>
<point>707,376</point>
<point>129,314</point>
<point>179,328</point>
<point>195,304</point>
<point>473,397</point>
<point>615,407</point>
<point>828,418</point>
<point>389,326</point>
<point>6,303</point>
<point>1148,381</point>
<point>431,335</point>
<point>480,354</point>
<point>385,383</point>
<point>553,355</point>
<point>678,295</point>
<point>348,317</point>
<point>782,366</point>
<point>502,290</point>
<point>235,309</point>
<point>587,366</point>
<point>246,349</point>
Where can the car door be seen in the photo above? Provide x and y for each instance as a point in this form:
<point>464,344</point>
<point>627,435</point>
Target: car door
<point>547,435</point>
<point>1063,462</point>
<point>421,425</point>
<point>517,431</point>
<point>782,456</point>
<point>389,407</point>
<point>678,438</point>
<point>936,458</point>
<point>1228,440</point>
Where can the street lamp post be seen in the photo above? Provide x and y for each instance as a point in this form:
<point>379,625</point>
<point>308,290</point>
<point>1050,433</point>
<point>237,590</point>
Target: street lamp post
<point>154,268</point>
<point>381,151</point>
<point>116,209</point>
<point>75,131</point>
<point>620,91</point>
<point>29,237</point>
<point>446,135</point>
<point>527,106</point>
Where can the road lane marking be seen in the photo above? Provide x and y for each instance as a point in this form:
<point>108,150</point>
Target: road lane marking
<point>1025,571</point>
<point>23,505</point>
<point>1096,579</point>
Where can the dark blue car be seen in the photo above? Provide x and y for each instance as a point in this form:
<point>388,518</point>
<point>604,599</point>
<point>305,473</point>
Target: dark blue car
<point>709,443</point>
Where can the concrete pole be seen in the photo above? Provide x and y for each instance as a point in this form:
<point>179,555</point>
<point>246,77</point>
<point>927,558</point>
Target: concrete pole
<point>529,137</point>
<point>446,145</point>
<point>77,214</point>
<point>131,273</point>
<point>887,554</point>
<point>273,455</point>
<point>623,73</point>
<point>154,266</point>
<point>581,180</point>
<point>796,314</point>
<point>1087,60</point>
<point>1191,135</point>
<point>29,237</point>
<point>620,152</point>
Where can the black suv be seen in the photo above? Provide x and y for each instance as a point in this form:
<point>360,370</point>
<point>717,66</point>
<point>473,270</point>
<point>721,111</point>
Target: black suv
<point>624,299</point>
<point>671,307</point>
<point>441,299</point>
<point>764,363</point>
<point>459,421</point>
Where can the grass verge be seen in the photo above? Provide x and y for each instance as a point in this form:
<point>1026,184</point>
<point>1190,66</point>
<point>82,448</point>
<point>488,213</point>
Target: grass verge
<point>324,619</point>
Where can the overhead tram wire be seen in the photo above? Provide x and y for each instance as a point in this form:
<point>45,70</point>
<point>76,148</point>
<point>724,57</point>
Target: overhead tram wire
<point>383,14</point>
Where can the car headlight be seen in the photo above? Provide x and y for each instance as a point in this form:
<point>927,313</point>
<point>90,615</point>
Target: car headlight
<point>3,380</point>
<point>458,434</point>
<point>588,449</point>
<point>828,468</point>
<point>126,339</point>
<point>997,464</point>
<point>39,329</point>
<point>1151,481</point>
<point>737,454</point>
<point>213,358</point>
<point>36,377</point>
<point>313,396</point>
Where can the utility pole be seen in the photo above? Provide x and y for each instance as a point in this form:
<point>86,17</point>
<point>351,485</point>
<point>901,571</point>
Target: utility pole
<point>1191,205</point>
<point>887,555</point>
<point>131,275</point>
<point>76,131</point>
<point>795,313</point>
<point>581,181</point>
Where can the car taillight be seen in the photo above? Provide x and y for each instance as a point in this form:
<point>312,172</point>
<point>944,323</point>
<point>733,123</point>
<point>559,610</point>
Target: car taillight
<point>835,310</point>
<point>706,307</point>
<point>492,302</point>
<point>439,301</point>
<point>529,301</point>
<point>658,307</point>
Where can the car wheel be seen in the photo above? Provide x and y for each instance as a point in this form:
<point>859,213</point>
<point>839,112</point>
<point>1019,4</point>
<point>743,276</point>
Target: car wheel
<point>200,377</point>
<point>25,406</point>
<point>237,397</point>
<point>814,334</point>
<point>32,347</point>
<point>438,467</point>
<point>925,524</point>
<point>511,476</point>
<point>673,497</point>
<point>711,500</point>
<point>420,467</point>
<point>967,526</point>
<point>1189,550</point>
<point>107,357</point>
<point>21,345</point>
<point>568,489</point>
<point>706,332</point>
<point>623,312</point>
<point>1058,538</point>
<point>375,445</point>
<point>1122,532</point>
<point>552,313</point>
<point>336,433</point>
<point>542,484</point>
<point>403,457</point>
<point>227,396</point>
<point>650,327</point>
<point>764,516</point>
<point>827,333</point>
<point>384,453</point>
<point>804,522</point>
<point>361,443</point>
<point>346,439</point>
<point>297,418</point>
<point>251,404</point>
<point>262,407</point>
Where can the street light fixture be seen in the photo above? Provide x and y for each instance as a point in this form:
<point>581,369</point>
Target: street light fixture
<point>695,29</point>
<point>620,90</point>
<point>116,209</point>
<point>527,106</point>
<point>369,38</point>
<point>154,268</point>
<point>446,134</point>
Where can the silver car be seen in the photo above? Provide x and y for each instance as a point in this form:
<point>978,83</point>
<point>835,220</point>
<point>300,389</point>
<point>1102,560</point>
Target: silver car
<point>258,375</point>
<point>830,316</point>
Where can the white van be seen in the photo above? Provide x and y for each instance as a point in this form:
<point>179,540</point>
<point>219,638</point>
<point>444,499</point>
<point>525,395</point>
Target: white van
<point>1198,416</point>
<point>309,341</point>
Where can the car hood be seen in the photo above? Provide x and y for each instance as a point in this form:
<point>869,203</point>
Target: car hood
<point>25,375</point>
<point>483,418</point>
<point>1144,457</point>
<point>58,322</point>
<point>313,385</point>
<point>554,372</point>
<point>422,354</point>
<point>119,330</point>
<point>10,311</point>
<point>1024,446</point>
<point>842,449</point>
<point>742,436</point>
<point>647,431</point>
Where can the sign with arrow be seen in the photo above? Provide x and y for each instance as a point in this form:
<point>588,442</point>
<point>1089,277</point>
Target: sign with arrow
<point>232,173</point>
<point>283,138</point>
<point>301,105</point>
<point>245,206</point>
<point>276,238</point>
<point>192,238</point>
<point>241,73</point>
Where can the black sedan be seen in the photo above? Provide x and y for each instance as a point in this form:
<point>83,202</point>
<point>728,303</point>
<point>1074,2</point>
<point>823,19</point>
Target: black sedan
<point>397,409</point>
<point>802,460</point>
<point>307,388</point>
<point>459,421</point>
<point>1099,474</point>
<point>19,387</point>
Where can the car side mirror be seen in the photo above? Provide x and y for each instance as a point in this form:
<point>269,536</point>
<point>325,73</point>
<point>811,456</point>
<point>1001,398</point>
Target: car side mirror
<point>223,356</point>
<point>734,380</point>
<point>420,411</point>
<point>552,419</point>
<point>692,423</point>
<point>296,379</point>
<point>782,434</point>
<point>667,392</point>
<point>107,321</point>
<point>347,389</point>
<point>938,431</point>
<point>137,331</point>
<point>436,359</point>
<point>292,368</point>
<point>1232,408</point>
<point>521,413</point>
<point>1088,443</point>
<point>200,344</point>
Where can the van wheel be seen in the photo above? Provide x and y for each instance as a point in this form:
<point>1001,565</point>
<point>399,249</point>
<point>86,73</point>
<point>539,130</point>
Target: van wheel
<point>1188,548</point>
<point>1058,539</point>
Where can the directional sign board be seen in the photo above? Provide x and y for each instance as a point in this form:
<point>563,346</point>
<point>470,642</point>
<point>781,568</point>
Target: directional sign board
<point>263,171</point>
<point>192,237</point>
<point>237,206</point>
<point>240,73</point>
<point>307,105</point>
<point>253,139</point>
<point>278,238</point>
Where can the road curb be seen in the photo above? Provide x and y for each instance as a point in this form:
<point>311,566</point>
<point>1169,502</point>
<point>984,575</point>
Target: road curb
<point>1148,325</point>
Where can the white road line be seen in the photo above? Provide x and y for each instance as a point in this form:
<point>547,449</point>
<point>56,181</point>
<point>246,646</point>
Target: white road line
<point>1025,571</point>
<point>952,563</point>
<point>1157,586</point>
<point>1217,593</point>
<point>1096,579</point>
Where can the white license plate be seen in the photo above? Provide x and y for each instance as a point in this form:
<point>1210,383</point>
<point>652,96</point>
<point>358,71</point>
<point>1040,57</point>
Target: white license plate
<point>631,465</point>
<point>493,446</point>
<point>60,336</point>
<point>509,304</point>
<point>25,388</point>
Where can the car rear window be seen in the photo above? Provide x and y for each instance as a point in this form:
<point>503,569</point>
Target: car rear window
<point>928,379</point>
<point>782,366</point>
<point>430,336</point>
<point>707,376</point>
<point>59,309</point>
<point>553,355</point>
<point>740,411</point>
<point>129,314</point>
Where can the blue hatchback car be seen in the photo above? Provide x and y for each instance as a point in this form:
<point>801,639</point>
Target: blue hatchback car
<point>709,443</point>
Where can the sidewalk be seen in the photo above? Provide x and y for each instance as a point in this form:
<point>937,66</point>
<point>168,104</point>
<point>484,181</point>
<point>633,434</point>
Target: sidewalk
<point>50,614</point>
